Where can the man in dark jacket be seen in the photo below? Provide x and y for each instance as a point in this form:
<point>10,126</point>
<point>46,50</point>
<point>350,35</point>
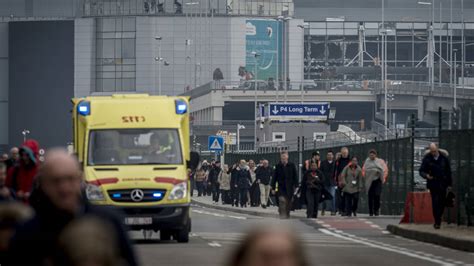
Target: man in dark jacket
<point>59,202</point>
<point>284,182</point>
<point>264,176</point>
<point>436,169</point>
<point>328,167</point>
<point>243,182</point>
<point>341,163</point>
<point>213,176</point>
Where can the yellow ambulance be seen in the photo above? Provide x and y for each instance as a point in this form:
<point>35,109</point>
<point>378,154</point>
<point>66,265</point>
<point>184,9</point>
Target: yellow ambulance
<point>135,153</point>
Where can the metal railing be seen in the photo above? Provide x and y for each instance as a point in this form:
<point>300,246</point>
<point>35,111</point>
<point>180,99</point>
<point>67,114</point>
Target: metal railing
<point>459,144</point>
<point>396,152</point>
<point>261,8</point>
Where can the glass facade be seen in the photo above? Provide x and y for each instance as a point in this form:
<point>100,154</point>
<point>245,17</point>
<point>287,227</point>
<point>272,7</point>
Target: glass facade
<point>329,45</point>
<point>115,54</point>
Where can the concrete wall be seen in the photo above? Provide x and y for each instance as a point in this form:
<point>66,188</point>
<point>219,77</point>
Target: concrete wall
<point>41,81</point>
<point>84,56</point>
<point>3,85</point>
<point>39,8</point>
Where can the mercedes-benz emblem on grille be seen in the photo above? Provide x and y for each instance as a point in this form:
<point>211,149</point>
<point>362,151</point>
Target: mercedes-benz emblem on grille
<point>137,195</point>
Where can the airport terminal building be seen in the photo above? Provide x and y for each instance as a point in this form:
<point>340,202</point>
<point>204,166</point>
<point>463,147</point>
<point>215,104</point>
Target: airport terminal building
<point>53,50</point>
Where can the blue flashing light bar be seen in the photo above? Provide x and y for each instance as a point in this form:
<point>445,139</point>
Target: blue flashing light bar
<point>181,107</point>
<point>157,195</point>
<point>84,108</point>
<point>116,195</point>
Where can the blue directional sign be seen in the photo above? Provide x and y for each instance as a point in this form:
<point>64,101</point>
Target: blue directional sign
<point>216,143</point>
<point>298,111</point>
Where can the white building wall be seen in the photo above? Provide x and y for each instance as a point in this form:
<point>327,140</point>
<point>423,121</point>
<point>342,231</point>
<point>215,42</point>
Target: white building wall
<point>3,83</point>
<point>84,56</point>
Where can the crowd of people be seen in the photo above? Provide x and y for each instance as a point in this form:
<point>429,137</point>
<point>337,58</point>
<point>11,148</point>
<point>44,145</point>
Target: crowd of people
<point>45,218</point>
<point>332,184</point>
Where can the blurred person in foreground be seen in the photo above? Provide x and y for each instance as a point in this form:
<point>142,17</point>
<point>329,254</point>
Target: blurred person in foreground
<point>436,169</point>
<point>12,214</point>
<point>284,183</point>
<point>269,246</point>
<point>12,160</point>
<point>89,241</point>
<point>58,202</point>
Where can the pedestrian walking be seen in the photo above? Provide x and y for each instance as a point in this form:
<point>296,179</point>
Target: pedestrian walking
<point>341,163</point>
<point>21,176</point>
<point>200,180</point>
<point>254,191</point>
<point>315,157</point>
<point>213,180</point>
<point>375,172</point>
<point>234,189</point>
<point>61,202</point>
<point>284,183</point>
<point>328,168</point>
<point>243,182</point>
<point>224,184</point>
<point>14,158</point>
<point>6,193</point>
<point>436,169</point>
<point>313,181</point>
<point>351,183</point>
<point>264,176</point>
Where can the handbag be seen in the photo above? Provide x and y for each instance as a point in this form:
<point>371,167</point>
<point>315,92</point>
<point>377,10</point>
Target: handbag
<point>450,199</point>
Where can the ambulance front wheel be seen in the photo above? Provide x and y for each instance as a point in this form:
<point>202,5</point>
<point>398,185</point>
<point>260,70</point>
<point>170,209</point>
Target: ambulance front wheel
<point>182,235</point>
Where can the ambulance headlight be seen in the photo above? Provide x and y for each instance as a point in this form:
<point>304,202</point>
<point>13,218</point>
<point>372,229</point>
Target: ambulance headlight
<point>179,191</point>
<point>84,108</point>
<point>181,107</point>
<point>94,192</point>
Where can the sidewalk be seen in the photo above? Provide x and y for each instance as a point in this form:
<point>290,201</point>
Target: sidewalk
<point>451,236</point>
<point>271,212</point>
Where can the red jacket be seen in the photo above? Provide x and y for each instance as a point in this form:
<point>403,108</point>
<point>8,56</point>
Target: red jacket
<point>20,177</point>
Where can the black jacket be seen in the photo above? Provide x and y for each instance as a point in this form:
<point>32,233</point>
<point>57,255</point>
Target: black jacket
<point>439,169</point>
<point>244,180</point>
<point>264,175</point>
<point>214,175</point>
<point>328,170</point>
<point>340,165</point>
<point>286,177</point>
<point>36,240</point>
<point>311,182</point>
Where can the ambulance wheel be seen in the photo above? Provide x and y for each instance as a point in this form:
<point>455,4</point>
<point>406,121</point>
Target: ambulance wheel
<point>165,235</point>
<point>182,235</point>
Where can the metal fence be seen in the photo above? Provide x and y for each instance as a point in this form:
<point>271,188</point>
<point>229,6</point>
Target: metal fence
<point>460,145</point>
<point>398,154</point>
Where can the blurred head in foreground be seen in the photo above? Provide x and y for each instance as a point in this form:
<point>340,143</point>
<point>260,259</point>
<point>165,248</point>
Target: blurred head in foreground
<point>269,246</point>
<point>89,242</point>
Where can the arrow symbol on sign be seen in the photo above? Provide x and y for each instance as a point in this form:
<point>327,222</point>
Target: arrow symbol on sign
<point>275,110</point>
<point>322,111</point>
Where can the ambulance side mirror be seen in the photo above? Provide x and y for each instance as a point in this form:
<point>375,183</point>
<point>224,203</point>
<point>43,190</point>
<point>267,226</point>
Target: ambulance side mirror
<point>194,160</point>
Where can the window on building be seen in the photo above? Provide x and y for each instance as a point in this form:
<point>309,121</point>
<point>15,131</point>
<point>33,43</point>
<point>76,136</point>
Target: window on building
<point>115,55</point>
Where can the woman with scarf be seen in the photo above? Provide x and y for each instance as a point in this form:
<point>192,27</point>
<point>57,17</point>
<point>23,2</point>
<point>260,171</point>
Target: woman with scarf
<point>375,172</point>
<point>313,181</point>
<point>351,182</point>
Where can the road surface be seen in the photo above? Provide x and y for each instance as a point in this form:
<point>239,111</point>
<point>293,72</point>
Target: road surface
<point>328,241</point>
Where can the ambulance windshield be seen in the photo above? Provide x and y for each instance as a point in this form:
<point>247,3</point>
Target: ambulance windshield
<point>134,147</point>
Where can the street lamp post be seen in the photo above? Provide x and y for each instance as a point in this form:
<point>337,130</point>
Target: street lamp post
<point>239,127</point>
<point>25,133</point>
<point>255,55</point>
<point>431,44</point>
<point>159,61</point>
<point>158,39</point>
<point>455,83</point>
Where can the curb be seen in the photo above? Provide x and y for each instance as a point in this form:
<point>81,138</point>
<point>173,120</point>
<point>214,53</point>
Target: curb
<point>235,209</point>
<point>459,244</point>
